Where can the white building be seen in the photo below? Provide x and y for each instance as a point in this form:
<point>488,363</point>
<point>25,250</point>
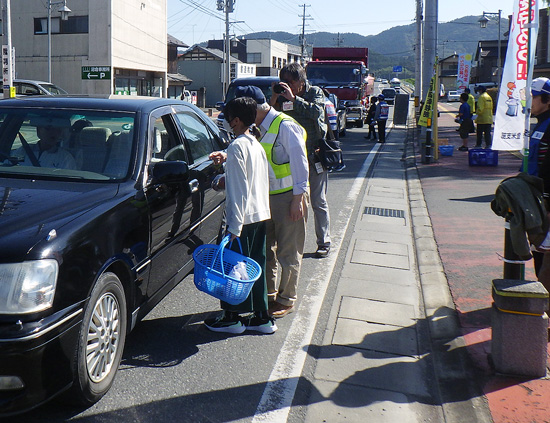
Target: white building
<point>105,47</point>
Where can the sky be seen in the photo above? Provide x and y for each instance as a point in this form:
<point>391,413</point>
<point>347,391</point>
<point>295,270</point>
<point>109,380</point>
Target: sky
<point>195,21</point>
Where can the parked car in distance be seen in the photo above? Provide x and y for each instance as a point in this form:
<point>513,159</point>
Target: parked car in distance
<point>356,112</point>
<point>453,96</point>
<point>389,95</point>
<point>262,82</point>
<point>95,232</point>
<point>342,120</point>
<point>25,87</point>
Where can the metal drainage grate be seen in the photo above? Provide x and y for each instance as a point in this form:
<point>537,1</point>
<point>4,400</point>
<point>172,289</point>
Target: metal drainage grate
<point>377,211</point>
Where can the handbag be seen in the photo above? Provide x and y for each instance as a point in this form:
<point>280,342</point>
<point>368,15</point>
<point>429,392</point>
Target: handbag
<point>330,152</point>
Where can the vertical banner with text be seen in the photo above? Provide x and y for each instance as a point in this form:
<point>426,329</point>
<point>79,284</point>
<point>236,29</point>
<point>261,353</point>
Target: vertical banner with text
<point>510,113</point>
<point>463,74</point>
<point>427,109</point>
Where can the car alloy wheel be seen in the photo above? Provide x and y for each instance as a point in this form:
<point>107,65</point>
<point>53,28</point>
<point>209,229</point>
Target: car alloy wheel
<point>101,341</point>
<point>103,337</point>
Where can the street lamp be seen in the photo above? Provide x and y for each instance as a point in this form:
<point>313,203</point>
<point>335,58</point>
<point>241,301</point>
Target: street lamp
<point>64,11</point>
<point>483,21</point>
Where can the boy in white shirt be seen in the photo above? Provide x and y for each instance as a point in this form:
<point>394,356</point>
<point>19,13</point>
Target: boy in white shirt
<point>247,210</point>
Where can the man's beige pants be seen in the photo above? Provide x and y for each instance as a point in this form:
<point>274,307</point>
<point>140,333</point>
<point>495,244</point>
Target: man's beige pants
<point>285,246</point>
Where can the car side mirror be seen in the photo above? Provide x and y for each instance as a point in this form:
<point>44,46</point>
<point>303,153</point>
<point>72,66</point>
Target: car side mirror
<point>166,172</point>
<point>219,106</point>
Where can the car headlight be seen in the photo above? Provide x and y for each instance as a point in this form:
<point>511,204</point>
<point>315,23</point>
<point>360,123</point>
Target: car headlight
<point>27,287</point>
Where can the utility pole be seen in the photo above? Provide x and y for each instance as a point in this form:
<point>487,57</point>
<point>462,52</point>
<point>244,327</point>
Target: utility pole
<point>303,36</point>
<point>7,53</point>
<point>339,41</point>
<point>227,7</point>
<point>418,75</point>
<point>430,45</point>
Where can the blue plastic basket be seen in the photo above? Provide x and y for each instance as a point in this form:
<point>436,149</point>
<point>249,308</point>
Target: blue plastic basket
<point>446,150</point>
<point>482,157</point>
<point>213,263</point>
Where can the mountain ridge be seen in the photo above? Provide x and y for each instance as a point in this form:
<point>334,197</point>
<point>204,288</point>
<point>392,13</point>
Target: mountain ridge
<point>395,46</point>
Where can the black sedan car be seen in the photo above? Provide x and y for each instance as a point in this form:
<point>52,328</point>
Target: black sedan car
<point>103,202</point>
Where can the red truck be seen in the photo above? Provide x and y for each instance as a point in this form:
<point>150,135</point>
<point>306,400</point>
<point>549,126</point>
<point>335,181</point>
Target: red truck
<point>343,72</point>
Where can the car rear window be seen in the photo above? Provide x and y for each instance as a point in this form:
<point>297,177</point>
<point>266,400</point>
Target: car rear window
<point>82,145</point>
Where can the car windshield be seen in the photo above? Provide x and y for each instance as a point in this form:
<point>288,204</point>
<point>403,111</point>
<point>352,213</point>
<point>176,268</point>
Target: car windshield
<point>388,92</point>
<point>81,145</point>
<point>329,74</point>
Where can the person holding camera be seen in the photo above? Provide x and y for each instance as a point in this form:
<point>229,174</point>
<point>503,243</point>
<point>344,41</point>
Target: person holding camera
<point>306,103</point>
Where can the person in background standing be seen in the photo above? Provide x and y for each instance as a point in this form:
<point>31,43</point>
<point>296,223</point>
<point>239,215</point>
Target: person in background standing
<point>484,119</point>
<point>465,119</point>
<point>370,119</point>
<point>381,117</point>
<point>306,104</point>
<point>471,100</point>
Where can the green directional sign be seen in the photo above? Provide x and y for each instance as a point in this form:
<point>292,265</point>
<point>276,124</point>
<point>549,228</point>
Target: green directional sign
<point>96,72</point>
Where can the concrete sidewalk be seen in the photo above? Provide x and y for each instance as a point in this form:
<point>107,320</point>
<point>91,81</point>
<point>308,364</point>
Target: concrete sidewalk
<point>392,351</point>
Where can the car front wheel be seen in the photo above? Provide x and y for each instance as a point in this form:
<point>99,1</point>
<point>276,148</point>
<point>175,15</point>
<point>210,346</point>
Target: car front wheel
<point>101,340</point>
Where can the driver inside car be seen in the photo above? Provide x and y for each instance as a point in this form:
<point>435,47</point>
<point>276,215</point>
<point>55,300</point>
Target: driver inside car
<point>47,152</point>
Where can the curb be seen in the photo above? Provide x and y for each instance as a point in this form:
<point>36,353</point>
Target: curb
<point>461,398</point>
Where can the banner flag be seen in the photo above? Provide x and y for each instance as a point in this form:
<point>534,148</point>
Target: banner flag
<point>463,74</point>
<point>510,112</point>
<point>427,109</point>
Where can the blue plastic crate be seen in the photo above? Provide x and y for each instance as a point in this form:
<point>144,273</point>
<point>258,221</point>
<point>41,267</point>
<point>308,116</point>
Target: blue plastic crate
<point>482,157</point>
<point>446,150</point>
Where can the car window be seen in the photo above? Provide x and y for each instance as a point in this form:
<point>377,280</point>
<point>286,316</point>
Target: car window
<point>201,141</point>
<point>77,144</point>
<point>26,89</point>
<point>166,144</point>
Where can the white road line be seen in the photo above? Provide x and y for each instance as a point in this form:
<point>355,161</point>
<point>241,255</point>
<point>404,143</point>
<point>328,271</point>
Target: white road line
<point>279,392</point>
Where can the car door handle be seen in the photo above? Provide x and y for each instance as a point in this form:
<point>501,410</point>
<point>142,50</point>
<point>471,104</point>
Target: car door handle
<point>194,186</point>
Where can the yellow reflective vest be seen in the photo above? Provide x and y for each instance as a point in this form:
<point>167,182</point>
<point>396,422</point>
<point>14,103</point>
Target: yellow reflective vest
<point>484,109</point>
<point>280,176</point>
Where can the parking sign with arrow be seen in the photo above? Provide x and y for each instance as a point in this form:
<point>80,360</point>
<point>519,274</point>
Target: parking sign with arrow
<point>96,72</point>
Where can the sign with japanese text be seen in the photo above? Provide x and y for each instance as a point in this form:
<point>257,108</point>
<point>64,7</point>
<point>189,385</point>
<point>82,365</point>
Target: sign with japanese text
<point>463,74</point>
<point>510,127</point>
<point>96,72</point>
<point>427,109</point>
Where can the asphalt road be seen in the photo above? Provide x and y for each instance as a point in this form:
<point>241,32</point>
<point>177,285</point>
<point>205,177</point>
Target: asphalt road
<point>175,370</point>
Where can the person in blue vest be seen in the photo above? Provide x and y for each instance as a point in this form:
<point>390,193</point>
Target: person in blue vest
<point>381,117</point>
<point>539,161</point>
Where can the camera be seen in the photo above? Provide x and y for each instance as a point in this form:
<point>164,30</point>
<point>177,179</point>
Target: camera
<point>278,89</point>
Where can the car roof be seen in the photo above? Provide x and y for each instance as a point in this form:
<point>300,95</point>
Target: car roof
<point>123,103</point>
<point>255,80</point>
<point>33,81</point>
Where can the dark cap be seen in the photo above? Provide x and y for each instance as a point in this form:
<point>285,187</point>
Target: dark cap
<point>250,91</point>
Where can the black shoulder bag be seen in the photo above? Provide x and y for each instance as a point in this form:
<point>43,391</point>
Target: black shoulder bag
<point>329,149</point>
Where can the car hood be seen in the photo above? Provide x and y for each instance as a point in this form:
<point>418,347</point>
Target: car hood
<point>29,210</point>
